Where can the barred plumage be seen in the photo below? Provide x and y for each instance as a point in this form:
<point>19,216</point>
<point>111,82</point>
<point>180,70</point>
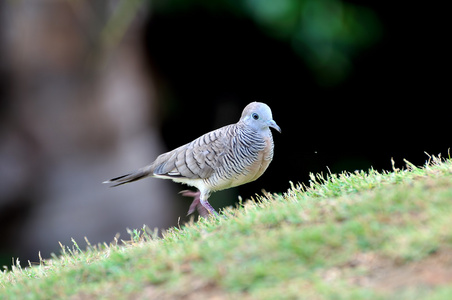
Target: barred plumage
<point>227,157</point>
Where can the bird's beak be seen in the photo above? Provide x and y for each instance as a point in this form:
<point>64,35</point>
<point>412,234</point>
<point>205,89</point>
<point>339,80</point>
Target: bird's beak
<point>273,124</point>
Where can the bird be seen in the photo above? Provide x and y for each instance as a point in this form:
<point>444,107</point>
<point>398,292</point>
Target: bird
<point>227,157</point>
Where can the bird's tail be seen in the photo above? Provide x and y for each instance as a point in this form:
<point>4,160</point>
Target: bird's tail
<point>134,176</point>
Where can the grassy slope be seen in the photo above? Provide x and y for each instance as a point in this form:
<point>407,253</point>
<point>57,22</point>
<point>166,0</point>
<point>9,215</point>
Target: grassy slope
<point>361,235</point>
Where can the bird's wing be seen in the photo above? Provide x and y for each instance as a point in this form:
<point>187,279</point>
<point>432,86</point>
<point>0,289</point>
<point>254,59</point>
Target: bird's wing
<point>196,160</point>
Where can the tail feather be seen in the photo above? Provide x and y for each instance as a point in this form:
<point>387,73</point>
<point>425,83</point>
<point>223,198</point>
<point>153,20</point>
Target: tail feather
<point>140,174</point>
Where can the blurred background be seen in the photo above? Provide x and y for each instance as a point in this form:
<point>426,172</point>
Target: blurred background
<point>90,90</point>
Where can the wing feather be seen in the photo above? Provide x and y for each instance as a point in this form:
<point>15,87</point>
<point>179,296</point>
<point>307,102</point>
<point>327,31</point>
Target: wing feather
<point>196,160</point>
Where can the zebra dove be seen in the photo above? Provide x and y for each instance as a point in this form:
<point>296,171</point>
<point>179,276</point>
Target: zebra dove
<point>227,157</point>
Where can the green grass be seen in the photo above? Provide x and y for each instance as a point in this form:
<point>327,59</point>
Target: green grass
<point>362,235</point>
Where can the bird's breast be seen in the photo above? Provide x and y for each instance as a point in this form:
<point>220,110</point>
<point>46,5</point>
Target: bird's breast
<point>264,159</point>
<point>258,160</point>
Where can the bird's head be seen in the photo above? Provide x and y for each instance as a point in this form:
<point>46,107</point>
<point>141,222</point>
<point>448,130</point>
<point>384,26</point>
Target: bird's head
<point>258,116</point>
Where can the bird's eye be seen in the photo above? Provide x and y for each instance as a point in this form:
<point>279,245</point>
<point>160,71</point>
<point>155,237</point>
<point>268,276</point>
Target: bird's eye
<point>255,116</point>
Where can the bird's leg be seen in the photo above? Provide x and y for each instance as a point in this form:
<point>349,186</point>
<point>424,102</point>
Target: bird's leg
<point>206,205</point>
<point>195,203</point>
<point>203,206</point>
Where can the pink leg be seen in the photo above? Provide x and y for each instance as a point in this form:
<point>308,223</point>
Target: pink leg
<point>203,206</point>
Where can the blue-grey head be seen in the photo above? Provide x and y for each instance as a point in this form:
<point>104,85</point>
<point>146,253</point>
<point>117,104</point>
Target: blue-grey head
<point>258,116</point>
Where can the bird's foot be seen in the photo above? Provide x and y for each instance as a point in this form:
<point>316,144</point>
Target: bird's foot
<point>202,206</point>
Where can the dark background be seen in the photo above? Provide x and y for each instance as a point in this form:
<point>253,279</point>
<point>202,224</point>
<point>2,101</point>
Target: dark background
<point>392,103</point>
<point>352,84</point>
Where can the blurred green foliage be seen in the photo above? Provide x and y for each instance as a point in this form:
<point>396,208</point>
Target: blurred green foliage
<point>326,34</point>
